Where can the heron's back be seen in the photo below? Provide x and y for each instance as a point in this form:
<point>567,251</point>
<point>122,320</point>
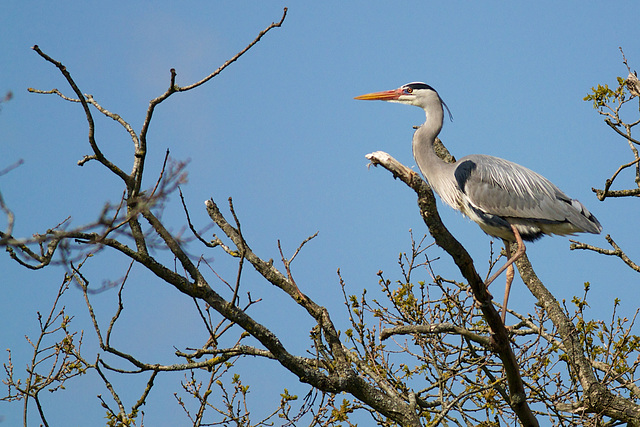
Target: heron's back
<point>495,193</point>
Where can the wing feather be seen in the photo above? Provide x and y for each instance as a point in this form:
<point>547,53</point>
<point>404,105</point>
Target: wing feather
<point>519,195</point>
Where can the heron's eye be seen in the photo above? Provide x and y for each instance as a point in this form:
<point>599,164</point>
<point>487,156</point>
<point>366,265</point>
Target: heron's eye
<point>409,90</point>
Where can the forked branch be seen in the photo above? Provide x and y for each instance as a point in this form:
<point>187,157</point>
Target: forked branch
<point>87,111</point>
<point>173,88</point>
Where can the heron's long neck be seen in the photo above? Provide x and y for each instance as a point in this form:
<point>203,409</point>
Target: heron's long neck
<point>438,173</point>
<point>423,139</point>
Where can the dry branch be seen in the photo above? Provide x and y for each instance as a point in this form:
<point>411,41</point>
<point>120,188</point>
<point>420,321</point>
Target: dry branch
<point>616,251</point>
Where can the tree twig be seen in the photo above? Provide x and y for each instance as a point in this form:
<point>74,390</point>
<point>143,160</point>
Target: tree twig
<point>616,251</point>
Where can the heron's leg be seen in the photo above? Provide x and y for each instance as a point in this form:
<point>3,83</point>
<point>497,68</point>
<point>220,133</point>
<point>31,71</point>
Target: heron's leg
<point>510,274</point>
<point>509,267</point>
<point>518,254</point>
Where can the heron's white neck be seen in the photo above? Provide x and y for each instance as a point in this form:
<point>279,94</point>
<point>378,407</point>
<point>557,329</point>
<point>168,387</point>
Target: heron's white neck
<point>434,169</point>
<point>425,136</point>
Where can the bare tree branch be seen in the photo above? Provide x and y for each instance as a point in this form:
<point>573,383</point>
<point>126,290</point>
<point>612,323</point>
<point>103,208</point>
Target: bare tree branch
<point>436,329</point>
<point>85,105</point>
<point>616,251</point>
<point>141,149</point>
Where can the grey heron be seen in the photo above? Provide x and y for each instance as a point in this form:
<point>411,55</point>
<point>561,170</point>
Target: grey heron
<point>505,199</point>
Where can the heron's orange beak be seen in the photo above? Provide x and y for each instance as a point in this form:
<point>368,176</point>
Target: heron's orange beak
<point>386,95</point>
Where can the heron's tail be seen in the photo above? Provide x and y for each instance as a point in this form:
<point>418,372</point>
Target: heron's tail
<point>585,219</point>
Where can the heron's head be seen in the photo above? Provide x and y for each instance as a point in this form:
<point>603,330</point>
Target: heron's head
<point>417,93</point>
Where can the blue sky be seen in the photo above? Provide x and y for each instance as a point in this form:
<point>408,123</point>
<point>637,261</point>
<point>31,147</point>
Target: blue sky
<point>280,133</point>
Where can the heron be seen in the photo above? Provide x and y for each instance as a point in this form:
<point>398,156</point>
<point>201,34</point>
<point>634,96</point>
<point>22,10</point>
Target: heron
<point>505,199</point>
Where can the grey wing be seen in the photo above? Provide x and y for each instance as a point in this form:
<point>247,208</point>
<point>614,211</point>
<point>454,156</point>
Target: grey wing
<point>518,195</point>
